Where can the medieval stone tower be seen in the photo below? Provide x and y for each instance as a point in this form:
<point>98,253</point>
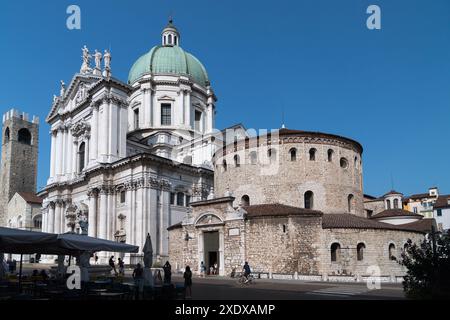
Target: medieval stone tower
<point>18,171</point>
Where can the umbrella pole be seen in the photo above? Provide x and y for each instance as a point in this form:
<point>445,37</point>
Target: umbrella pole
<point>20,273</point>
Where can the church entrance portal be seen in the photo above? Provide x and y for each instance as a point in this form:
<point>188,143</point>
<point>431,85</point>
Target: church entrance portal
<point>211,252</point>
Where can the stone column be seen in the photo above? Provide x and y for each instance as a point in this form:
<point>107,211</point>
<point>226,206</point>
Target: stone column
<point>188,108</point>
<point>74,156</point>
<point>53,154</point>
<point>58,215</point>
<point>69,151</point>
<point>153,214</point>
<point>86,152</point>
<point>111,217</point>
<point>113,131</point>
<point>102,224</point>
<point>145,213</point>
<point>139,217</point>
<point>105,131</point>
<point>133,216</point>
<point>182,105</point>
<point>51,218</point>
<point>63,151</point>
<point>221,252</point>
<point>92,218</point>
<point>164,224</point>
<point>94,133</point>
<point>58,153</point>
<point>145,104</point>
<point>128,221</point>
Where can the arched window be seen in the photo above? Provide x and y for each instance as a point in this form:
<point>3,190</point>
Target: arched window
<point>350,203</point>
<point>330,155</point>
<point>24,136</point>
<point>312,154</point>
<point>123,196</point>
<point>253,157</point>
<point>392,252</point>
<point>180,199</point>
<point>136,118</point>
<point>344,163</point>
<point>37,222</point>
<point>170,39</point>
<point>237,162</point>
<point>81,156</point>
<point>175,39</point>
<point>7,135</point>
<point>356,162</point>
<point>309,200</point>
<point>224,165</point>
<point>360,251</point>
<point>335,252</point>
<point>245,201</point>
<point>395,203</point>
<point>19,222</point>
<point>388,204</point>
<point>293,153</point>
<point>272,155</point>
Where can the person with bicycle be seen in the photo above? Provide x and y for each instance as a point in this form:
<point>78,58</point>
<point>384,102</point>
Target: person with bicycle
<point>247,271</point>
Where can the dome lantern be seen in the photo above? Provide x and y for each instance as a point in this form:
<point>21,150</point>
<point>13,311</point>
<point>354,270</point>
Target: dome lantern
<point>170,35</point>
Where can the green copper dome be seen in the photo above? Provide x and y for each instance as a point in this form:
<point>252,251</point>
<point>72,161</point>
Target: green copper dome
<point>169,60</point>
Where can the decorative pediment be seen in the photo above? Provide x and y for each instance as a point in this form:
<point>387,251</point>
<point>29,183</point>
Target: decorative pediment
<point>77,91</point>
<point>208,219</point>
<point>166,98</point>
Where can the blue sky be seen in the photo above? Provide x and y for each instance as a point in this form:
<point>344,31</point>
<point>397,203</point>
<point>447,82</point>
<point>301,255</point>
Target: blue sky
<point>389,89</point>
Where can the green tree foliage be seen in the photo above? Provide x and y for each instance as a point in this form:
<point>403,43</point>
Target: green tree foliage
<point>428,275</point>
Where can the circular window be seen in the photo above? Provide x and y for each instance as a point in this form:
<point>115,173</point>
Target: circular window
<point>344,163</point>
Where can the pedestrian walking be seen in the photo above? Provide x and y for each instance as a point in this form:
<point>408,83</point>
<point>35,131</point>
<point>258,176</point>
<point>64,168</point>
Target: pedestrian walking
<point>167,273</point>
<point>187,283</point>
<point>121,267</point>
<point>112,264</point>
<point>138,276</point>
<point>202,270</point>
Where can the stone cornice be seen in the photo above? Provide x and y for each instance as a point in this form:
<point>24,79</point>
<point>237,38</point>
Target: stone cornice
<point>144,158</point>
<point>279,139</point>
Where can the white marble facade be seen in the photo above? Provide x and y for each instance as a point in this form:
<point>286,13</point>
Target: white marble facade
<point>116,171</point>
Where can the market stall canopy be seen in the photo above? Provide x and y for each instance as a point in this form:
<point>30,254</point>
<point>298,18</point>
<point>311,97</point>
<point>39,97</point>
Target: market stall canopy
<point>17,241</point>
<point>77,243</point>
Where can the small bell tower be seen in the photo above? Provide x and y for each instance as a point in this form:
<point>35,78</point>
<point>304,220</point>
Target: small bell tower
<point>170,35</point>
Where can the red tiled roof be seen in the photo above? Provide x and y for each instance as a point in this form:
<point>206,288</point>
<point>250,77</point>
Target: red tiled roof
<point>442,202</point>
<point>350,221</point>
<point>396,213</point>
<point>419,196</point>
<point>423,225</point>
<point>30,197</point>
<point>277,209</point>
<point>392,192</point>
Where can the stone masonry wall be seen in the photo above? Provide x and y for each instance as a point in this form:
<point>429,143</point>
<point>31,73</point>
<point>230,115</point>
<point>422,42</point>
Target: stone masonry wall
<point>285,181</point>
<point>272,248</point>
<point>376,252</point>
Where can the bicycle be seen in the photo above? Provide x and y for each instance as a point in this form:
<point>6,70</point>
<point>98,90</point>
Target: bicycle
<point>243,280</point>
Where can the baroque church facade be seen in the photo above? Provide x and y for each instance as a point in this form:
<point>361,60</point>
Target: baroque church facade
<point>128,158</point>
